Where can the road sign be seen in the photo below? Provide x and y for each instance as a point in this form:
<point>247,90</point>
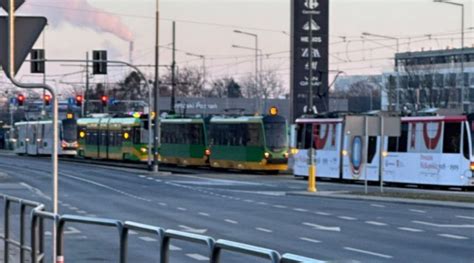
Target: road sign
<point>4,4</point>
<point>27,31</point>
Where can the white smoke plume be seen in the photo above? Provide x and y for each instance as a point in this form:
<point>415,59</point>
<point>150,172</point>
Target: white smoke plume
<point>81,13</point>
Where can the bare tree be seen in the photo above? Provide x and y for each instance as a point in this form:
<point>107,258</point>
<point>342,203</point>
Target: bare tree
<point>189,82</point>
<point>269,85</point>
<point>225,88</point>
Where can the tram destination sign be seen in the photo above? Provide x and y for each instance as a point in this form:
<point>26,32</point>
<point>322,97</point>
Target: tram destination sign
<point>306,16</point>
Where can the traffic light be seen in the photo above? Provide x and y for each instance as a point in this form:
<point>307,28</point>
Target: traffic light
<point>104,99</point>
<point>47,99</point>
<point>37,66</point>
<point>20,99</point>
<point>79,100</point>
<point>99,66</point>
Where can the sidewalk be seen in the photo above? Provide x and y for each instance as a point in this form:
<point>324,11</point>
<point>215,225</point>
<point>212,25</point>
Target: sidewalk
<point>456,200</point>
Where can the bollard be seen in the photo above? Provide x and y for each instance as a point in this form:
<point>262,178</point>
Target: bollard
<point>312,179</point>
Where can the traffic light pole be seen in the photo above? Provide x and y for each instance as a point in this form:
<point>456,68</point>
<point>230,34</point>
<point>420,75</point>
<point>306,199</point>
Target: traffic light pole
<point>156,138</point>
<point>11,76</point>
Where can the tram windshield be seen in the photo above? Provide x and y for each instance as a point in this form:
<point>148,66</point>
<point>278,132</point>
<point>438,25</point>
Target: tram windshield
<point>275,135</point>
<point>69,133</point>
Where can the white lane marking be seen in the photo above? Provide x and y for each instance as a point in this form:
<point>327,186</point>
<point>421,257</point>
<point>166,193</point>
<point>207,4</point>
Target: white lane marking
<point>231,221</point>
<point>198,257</point>
<point>73,208</point>
<point>377,205</point>
<point>131,232</point>
<point>66,205</point>
<point>322,213</point>
<point>71,231</point>
<point>36,191</point>
<point>442,225</point>
<point>142,176</point>
<point>465,217</point>
<point>453,236</point>
<point>149,178</point>
<point>148,239</point>
<point>163,204</point>
<point>347,218</point>
<point>375,223</point>
<point>182,209</point>
<point>175,248</point>
<point>368,252</point>
<point>280,206</point>
<point>106,187</point>
<point>418,211</point>
<point>325,228</point>
<point>193,230</point>
<point>91,215</point>
<point>300,210</point>
<point>415,230</point>
<point>203,214</point>
<point>81,212</point>
<point>249,201</point>
<point>262,203</point>
<point>264,230</point>
<point>310,240</point>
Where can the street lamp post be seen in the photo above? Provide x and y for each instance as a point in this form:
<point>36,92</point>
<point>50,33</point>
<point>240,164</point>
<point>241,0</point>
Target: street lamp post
<point>258,76</point>
<point>257,79</point>
<point>462,46</point>
<point>203,64</point>
<point>156,138</point>
<point>396,63</point>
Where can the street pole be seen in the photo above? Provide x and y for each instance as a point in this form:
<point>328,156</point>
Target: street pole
<point>312,166</point>
<point>11,76</point>
<point>462,58</point>
<point>173,71</point>
<point>86,95</point>
<point>398,76</point>
<point>156,139</point>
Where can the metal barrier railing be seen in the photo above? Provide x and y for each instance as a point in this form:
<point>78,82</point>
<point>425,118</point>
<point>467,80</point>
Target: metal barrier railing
<point>7,239</point>
<point>38,216</point>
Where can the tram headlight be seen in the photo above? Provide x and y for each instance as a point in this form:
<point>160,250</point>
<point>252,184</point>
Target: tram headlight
<point>267,155</point>
<point>63,144</point>
<point>82,134</point>
<point>344,152</point>
<point>143,150</point>
<point>207,152</point>
<point>294,151</point>
<point>286,155</point>
<point>385,154</point>
<point>472,166</point>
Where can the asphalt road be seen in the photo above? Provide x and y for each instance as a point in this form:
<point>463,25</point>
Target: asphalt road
<point>252,209</point>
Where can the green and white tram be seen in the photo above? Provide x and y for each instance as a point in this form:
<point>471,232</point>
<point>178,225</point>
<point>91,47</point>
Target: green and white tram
<point>249,143</point>
<point>122,139</point>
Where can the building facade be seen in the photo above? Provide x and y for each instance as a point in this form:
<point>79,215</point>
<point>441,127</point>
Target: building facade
<point>431,79</point>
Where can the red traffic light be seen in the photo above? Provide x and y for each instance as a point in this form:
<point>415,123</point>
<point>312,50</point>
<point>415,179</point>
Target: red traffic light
<point>79,100</point>
<point>104,99</point>
<point>21,99</point>
<point>47,99</point>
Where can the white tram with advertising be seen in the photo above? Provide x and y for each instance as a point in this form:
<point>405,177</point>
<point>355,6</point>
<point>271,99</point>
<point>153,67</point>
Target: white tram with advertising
<point>36,137</point>
<point>432,150</point>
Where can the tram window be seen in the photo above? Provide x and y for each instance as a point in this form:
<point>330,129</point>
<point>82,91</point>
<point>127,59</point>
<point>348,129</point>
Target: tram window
<point>112,139</point>
<point>304,136</point>
<point>118,139</point>
<point>452,138</point>
<point>465,143</point>
<point>103,139</point>
<point>399,144</point>
<point>254,133</point>
<point>136,135</point>
<point>372,148</point>
<point>402,145</point>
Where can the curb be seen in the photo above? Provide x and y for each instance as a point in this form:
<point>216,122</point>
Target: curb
<point>341,195</point>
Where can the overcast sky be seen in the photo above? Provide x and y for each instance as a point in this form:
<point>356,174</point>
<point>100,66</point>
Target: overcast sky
<point>205,27</point>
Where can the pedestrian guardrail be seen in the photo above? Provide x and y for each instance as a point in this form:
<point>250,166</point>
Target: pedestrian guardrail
<point>39,216</point>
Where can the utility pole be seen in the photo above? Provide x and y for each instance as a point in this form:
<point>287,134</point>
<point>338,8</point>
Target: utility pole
<point>86,95</point>
<point>156,142</point>
<point>311,164</point>
<point>173,71</point>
